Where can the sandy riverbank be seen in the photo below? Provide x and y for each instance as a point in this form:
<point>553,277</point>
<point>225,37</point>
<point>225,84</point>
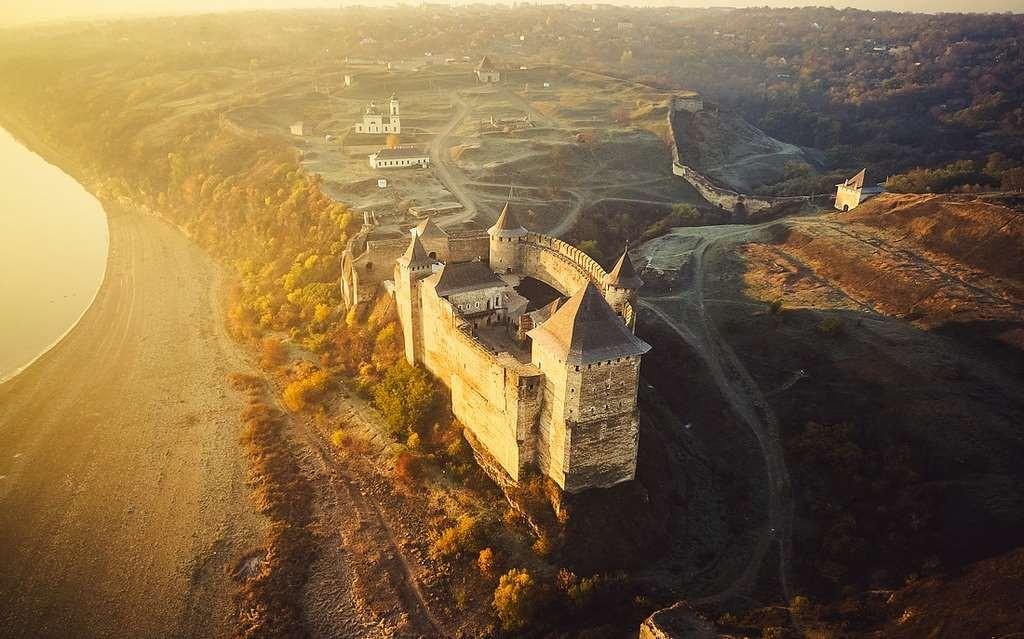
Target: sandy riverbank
<point>122,488</point>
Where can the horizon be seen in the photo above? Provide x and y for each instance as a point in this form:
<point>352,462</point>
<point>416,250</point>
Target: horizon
<point>72,10</point>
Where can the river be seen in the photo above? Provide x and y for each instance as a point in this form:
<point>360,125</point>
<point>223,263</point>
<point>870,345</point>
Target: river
<point>53,254</point>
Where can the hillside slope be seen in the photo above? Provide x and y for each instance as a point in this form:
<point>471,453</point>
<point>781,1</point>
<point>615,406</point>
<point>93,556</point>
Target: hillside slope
<point>732,152</point>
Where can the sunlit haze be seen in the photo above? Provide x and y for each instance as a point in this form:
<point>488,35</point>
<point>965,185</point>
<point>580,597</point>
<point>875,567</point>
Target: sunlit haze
<point>22,12</point>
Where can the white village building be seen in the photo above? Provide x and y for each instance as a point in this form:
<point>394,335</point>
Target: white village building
<point>486,72</point>
<point>377,123</point>
<point>399,157</point>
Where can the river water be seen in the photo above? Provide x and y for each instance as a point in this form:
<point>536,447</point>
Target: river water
<point>53,254</point>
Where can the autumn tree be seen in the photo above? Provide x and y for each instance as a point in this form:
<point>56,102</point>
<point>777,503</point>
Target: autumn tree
<point>516,599</point>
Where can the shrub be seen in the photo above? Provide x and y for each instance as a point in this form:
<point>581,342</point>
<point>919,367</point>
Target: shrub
<point>244,381</point>
<point>516,598</point>
<point>466,536</point>
<point>407,468</point>
<point>299,393</point>
<point>542,546</point>
<point>272,353</point>
<point>830,326</point>
<point>338,439</point>
<point>485,562</point>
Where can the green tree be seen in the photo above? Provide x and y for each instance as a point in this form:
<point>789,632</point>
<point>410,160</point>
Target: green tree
<point>405,396</point>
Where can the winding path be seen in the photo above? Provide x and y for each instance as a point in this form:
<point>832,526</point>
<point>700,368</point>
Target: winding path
<point>746,400</point>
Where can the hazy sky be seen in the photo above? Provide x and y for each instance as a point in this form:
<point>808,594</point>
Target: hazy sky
<point>21,11</point>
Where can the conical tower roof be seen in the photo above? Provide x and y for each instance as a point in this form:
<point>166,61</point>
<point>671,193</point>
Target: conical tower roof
<point>428,228</point>
<point>586,330</point>
<point>623,275</point>
<point>507,225</point>
<point>415,256</point>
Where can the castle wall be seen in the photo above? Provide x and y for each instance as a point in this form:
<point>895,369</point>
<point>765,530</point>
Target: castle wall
<point>552,442</point>
<point>493,395</point>
<point>467,246</point>
<point>719,196</point>
<point>561,265</point>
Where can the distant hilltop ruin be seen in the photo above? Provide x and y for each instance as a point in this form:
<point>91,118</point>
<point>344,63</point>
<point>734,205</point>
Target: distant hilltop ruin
<point>533,338</point>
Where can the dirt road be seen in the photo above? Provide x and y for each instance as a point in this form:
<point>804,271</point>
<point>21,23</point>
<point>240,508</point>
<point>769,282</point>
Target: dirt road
<point>745,397</point>
<point>122,493</point>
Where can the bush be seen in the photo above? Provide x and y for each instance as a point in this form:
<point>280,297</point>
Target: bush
<point>299,393</point>
<point>272,353</point>
<point>485,562</point>
<point>466,536</point>
<point>830,326</point>
<point>516,598</point>
<point>408,468</point>
<point>244,381</point>
<point>405,397</point>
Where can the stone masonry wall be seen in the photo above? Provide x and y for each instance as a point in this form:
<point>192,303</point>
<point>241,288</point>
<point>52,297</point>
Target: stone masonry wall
<point>485,386</point>
<point>601,423</point>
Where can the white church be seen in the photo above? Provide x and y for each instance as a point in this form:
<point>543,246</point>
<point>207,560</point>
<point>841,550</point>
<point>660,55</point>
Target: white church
<point>377,123</point>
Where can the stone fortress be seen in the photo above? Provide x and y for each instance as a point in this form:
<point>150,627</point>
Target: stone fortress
<point>532,337</point>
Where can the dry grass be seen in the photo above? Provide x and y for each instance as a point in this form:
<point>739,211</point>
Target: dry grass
<point>269,602</point>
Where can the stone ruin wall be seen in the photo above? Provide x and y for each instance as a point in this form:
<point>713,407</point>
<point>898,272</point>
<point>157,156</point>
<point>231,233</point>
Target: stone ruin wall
<point>719,196</point>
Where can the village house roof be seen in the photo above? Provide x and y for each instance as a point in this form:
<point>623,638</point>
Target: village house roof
<point>855,182</point>
<point>415,256</point>
<point>507,225</point>
<point>623,275</point>
<point>462,277</point>
<point>485,64</point>
<point>585,330</point>
<point>401,153</point>
<point>428,229</point>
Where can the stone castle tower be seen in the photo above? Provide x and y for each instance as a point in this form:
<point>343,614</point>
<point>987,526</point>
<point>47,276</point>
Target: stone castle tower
<point>410,269</point>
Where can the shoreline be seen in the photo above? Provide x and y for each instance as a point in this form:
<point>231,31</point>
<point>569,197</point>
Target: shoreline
<point>131,414</point>
<point>19,132</point>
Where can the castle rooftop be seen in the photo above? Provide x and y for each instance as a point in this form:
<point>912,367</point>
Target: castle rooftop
<point>507,225</point>
<point>429,229</point>
<point>463,277</point>
<point>415,256</point>
<point>624,275</point>
<point>585,330</point>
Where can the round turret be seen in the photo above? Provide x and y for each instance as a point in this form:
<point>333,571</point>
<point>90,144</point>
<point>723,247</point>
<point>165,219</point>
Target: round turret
<point>622,283</point>
<point>506,234</point>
